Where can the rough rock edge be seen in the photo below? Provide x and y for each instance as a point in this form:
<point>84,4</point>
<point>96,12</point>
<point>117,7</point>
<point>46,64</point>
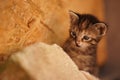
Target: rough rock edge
<point>28,61</point>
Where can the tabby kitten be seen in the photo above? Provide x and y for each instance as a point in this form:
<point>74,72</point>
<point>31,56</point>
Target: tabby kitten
<point>85,33</point>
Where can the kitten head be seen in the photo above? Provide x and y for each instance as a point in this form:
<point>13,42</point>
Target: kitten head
<point>86,30</point>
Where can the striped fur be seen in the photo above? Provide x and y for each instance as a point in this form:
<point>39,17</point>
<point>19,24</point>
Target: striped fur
<point>85,33</point>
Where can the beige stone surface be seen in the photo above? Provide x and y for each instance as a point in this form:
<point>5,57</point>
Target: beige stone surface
<point>24,22</point>
<point>42,62</point>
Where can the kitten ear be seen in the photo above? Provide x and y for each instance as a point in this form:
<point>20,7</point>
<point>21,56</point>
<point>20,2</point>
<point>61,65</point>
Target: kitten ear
<point>73,17</point>
<point>101,28</point>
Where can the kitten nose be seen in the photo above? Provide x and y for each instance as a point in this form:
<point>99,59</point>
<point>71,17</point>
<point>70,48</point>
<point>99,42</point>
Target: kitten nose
<point>78,43</point>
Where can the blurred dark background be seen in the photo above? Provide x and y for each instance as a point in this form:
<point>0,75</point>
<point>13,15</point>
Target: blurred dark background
<point>112,14</point>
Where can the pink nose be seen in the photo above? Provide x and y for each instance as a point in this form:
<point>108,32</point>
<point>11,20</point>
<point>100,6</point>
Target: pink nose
<point>78,43</point>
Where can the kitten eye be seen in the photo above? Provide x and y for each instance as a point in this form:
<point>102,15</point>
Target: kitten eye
<point>73,34</point>
<point>86,38</point>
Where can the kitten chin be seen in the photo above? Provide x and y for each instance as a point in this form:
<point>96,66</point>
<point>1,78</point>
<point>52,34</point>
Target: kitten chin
<point>85,33</point>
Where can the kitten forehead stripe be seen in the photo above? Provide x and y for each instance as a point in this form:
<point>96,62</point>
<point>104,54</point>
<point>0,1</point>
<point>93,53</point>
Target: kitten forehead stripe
<point>86,20</point>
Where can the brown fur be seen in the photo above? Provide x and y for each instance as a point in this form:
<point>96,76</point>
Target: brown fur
<point>85,33</point>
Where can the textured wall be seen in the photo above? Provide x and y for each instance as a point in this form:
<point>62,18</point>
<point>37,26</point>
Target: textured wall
<point>24,22</point>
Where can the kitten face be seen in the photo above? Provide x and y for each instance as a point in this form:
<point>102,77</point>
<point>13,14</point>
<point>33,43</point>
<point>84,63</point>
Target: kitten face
<point>84,38</point>
<point>86,30</point>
